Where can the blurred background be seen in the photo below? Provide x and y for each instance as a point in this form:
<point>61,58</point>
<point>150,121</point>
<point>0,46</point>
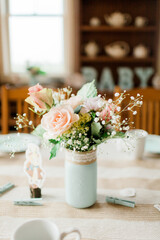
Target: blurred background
<point>71,42</point>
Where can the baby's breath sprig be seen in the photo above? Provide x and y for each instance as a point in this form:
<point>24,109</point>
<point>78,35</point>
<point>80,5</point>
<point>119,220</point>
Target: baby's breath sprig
<point>22,122</point>
<point>134,102</point>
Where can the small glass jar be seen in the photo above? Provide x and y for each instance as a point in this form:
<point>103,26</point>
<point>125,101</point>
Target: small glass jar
<point>81,178</point>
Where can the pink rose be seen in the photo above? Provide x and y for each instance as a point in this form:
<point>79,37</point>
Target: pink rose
<point>35,88</point>
<point>58,120</point>
<point>41,98</point>
<point>74,101</point>
<point>94,104</point>
<point>108,112</point>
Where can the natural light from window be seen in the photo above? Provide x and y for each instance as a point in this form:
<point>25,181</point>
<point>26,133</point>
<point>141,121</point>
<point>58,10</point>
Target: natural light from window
<point>36,35</point>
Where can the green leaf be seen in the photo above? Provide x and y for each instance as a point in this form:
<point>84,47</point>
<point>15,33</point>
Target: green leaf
<point>97,141</point>
<point>95,129</point>
<point>47,106</point>
<point>119,134</point>
<point>38,131</point>
<point>53,141</point>
<point>77,109</point>
<point>42,72</point>
<point>88,90</point>
<point>54,150</point>
<point>93,114</point>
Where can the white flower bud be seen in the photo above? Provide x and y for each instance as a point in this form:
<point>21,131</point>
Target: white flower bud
<point>30,123</point>
<point>135,112</point>
<point>110,100</point>
<point>116,94</point>
<point>96,119</point>
<point>118,109</point>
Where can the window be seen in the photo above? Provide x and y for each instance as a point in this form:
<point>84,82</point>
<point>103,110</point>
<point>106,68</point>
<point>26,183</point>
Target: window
<point>36,35</point>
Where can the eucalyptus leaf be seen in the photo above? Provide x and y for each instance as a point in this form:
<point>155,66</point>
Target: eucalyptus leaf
<point>88,90</point>
<point>95,129</point>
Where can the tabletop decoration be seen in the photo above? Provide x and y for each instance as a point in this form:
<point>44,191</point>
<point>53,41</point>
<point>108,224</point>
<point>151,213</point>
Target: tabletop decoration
<point>119,201</point>
<point>79,123</point>
<point>6,187</point>
<point>28,202</point>
<point>33,169</point>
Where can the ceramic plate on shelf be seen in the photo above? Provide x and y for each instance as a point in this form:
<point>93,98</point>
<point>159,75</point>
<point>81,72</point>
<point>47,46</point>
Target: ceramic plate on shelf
<point>152,144</point>
<point>14,142</point>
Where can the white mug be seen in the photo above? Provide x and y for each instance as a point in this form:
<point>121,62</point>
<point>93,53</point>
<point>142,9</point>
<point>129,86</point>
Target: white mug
<point>40,229</point>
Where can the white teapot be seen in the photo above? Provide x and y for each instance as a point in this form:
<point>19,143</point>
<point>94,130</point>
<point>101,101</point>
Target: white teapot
<point>118,19</point>
<point>117,49</point>
<point>91,49</point>
<point>140,51</point>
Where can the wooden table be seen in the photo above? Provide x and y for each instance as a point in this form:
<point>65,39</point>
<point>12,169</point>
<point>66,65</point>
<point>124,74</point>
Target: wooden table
<point>102,221</point>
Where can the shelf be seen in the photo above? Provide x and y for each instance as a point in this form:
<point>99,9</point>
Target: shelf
<point>104,28</point>
<point>109,59</point>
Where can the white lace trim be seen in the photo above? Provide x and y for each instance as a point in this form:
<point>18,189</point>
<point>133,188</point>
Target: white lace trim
<point>80,157</point>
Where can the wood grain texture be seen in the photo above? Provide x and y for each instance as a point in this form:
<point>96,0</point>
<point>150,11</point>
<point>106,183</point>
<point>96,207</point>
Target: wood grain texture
<point>148,116</point>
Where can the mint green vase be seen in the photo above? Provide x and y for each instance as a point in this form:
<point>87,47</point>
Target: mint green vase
<point>80,178</point>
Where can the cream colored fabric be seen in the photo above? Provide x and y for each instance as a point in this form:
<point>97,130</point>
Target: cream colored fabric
<point>102,221</point>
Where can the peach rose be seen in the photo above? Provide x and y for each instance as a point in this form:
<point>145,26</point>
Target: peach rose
<point>58,120</point>
<point>74,101</point>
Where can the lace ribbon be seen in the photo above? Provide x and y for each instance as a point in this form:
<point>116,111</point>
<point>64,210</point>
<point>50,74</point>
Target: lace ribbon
<point>81,158</point>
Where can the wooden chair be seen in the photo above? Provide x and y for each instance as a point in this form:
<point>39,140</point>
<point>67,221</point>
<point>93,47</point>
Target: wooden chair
<point>16,96</point>
<point>148,116</point>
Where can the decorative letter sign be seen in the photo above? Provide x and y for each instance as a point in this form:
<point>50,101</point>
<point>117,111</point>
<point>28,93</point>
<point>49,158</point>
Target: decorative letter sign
<point>144,74</point>
<point>89,73</point>
<point>106,81</point>
<point>125,78</point>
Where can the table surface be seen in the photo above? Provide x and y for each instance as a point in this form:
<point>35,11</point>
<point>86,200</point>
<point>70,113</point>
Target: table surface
<point>102,221</point>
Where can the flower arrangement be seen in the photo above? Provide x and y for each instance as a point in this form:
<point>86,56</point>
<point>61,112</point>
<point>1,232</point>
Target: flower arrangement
<point>78,122</point>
